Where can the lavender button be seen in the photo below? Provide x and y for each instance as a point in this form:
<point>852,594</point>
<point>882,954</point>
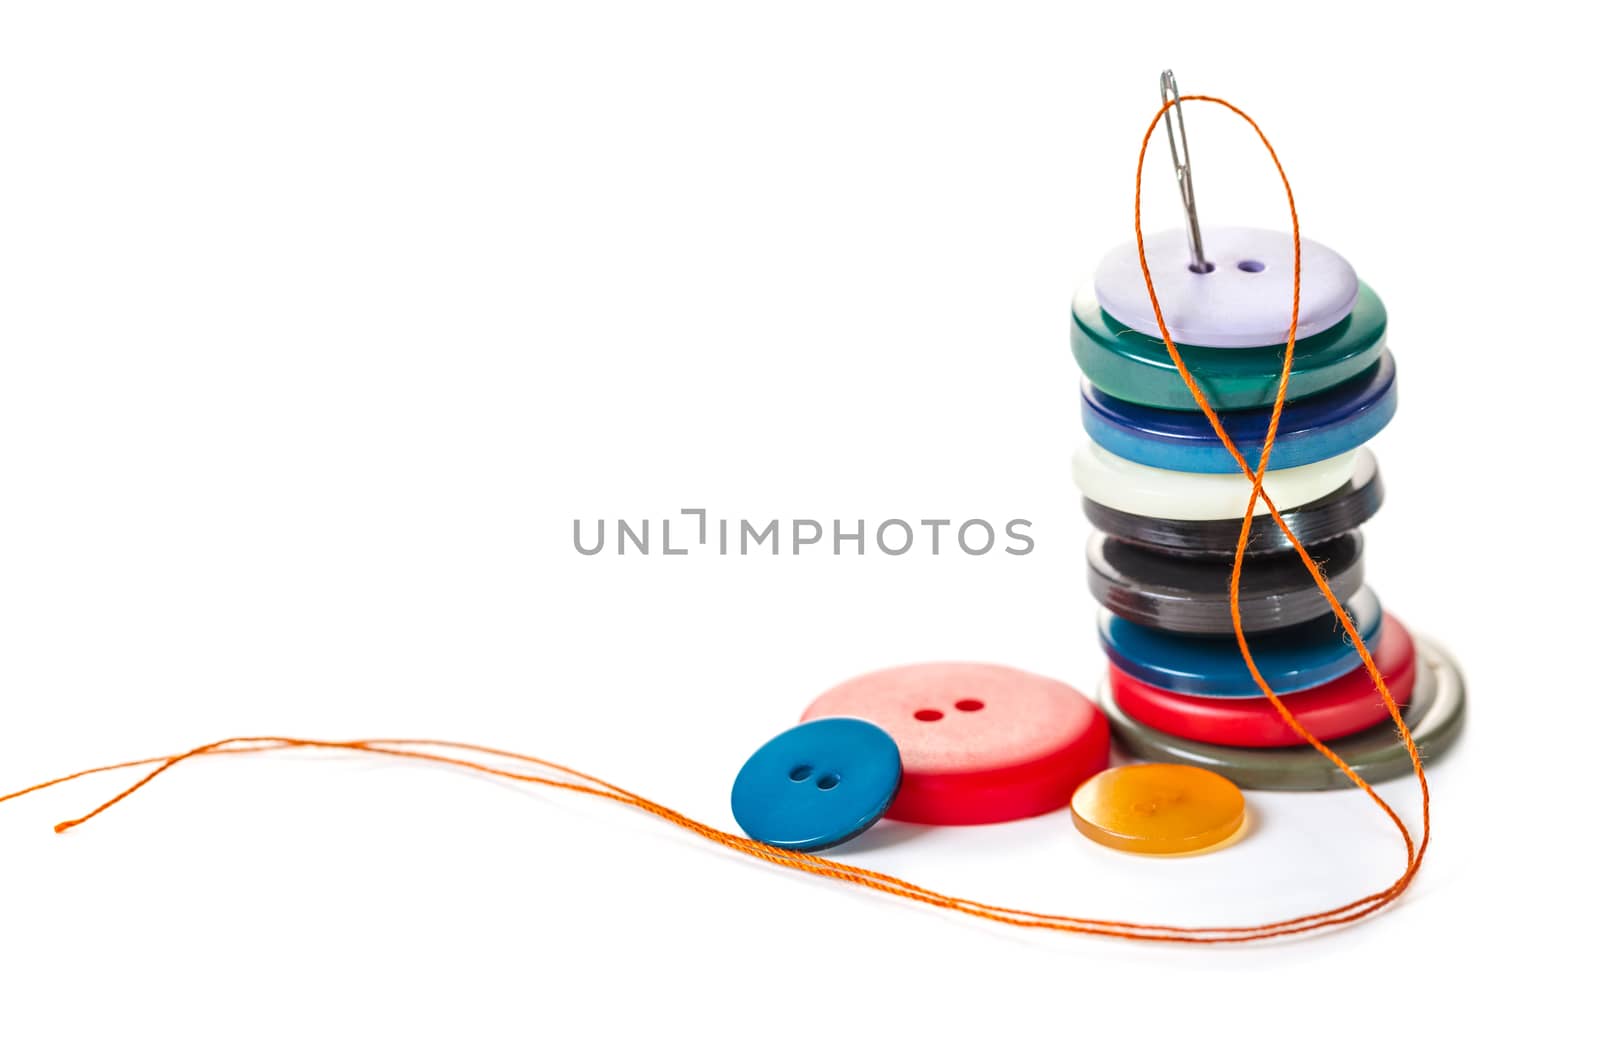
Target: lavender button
<point>1243,301</point>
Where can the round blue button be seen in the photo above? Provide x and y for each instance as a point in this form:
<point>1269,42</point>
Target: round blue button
<point>1291,659</point>
<point>1312,429</point>
<point>818,784</point>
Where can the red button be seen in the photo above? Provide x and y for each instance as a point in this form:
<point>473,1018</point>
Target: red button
<point>978,743</point>
<point>1342,707</point>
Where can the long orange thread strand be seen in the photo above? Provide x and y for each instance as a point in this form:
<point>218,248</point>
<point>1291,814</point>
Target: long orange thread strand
<point>826,867</point>
<point>804,862</point>
<point>1414,854</point>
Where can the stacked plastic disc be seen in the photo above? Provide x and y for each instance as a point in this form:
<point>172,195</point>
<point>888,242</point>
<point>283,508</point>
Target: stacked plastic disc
<point>1167,499</point>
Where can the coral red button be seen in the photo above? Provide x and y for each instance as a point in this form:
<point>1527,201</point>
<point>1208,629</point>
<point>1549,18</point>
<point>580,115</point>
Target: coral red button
<point>1342,707</point>
<point>978,743</point>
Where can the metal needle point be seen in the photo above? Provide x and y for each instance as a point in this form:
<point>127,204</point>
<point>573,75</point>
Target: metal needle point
<point>1180,163</point>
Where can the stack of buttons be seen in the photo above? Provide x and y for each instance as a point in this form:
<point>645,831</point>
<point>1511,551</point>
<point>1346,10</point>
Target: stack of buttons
<point>1166,499</point>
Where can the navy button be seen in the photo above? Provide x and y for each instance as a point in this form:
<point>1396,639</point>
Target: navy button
<point>817,785</point>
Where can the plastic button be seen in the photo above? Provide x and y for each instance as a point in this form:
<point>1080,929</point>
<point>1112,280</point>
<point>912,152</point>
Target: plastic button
<point>1311,429</point>
<point>1125,363</point>
<point>817,785</point>
<point>1291,659</point>
<point>979,743</point>
<point>1139,489</point>
<point>1436,717</point>
<point>1329,517</point>
<point>1243,301</point>
<point>1347,705</point>
<point>1191,596</point>
<point>1167,809</point>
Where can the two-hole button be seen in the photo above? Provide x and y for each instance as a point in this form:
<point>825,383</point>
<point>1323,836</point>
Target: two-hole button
<point>1244,300</point>
<point>818,784</point>
<point>964,705</point>
<point>978,743</point>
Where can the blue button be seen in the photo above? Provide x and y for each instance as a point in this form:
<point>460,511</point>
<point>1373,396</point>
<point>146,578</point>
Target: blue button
<point>1290,659</point>
<point>1314,428</point>
<point>818,784</point>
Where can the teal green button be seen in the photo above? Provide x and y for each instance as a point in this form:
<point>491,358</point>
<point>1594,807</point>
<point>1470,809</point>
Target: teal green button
<point>1134,367</point>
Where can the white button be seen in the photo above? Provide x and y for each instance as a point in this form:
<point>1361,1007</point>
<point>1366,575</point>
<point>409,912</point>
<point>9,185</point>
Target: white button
<point>1165,493</point>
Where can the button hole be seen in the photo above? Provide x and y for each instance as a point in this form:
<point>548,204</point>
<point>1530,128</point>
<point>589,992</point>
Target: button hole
<point>828,782</point>
<point>969,705</point>
<point>1252,266</point>
<point>800,773</point>
<point>928,714</point>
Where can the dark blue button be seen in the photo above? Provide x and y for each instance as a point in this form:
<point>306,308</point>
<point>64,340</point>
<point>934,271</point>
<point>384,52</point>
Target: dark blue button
<point>817,785</point>
<point>1290,659</point>
<point>1314,428</point>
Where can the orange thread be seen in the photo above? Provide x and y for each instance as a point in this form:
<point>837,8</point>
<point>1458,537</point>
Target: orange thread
<point>813,864</point>
<point>1414,853</point>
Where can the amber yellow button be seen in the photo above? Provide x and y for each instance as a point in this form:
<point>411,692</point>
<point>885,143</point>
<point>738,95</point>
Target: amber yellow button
<point>1158,808</point>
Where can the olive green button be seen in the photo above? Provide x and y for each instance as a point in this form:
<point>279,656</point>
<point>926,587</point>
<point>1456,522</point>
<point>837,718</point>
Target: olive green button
<point>1129,365</point>
<point>1435,716</point>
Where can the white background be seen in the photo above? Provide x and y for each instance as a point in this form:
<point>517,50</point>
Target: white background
<point>321,322</point>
